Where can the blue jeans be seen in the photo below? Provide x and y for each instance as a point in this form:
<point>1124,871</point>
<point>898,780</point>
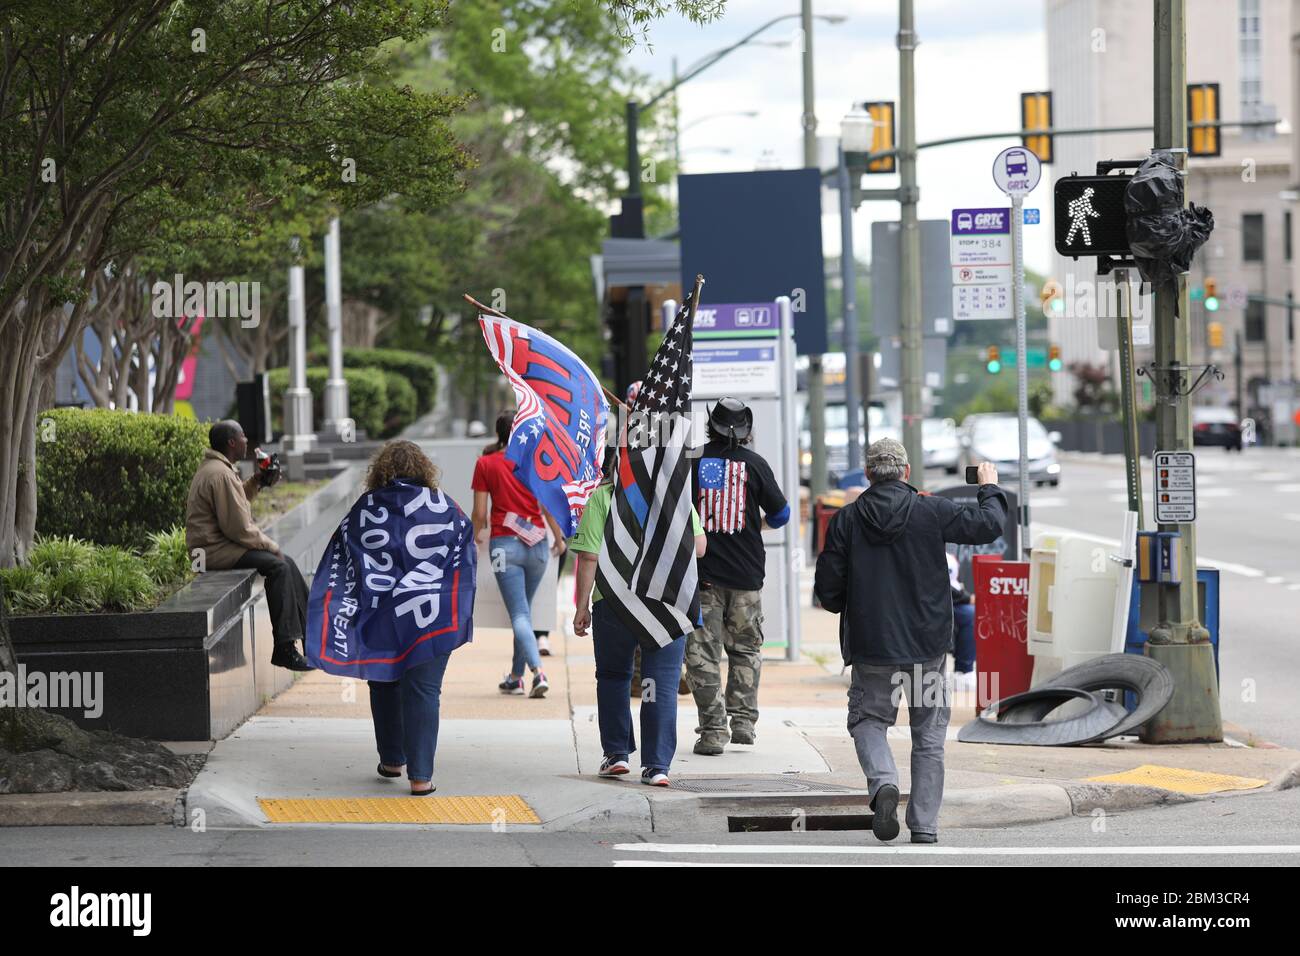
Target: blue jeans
<point>614,647</point>
<point>519,568</point>
<point>963,618</point>
<point>405,713</point>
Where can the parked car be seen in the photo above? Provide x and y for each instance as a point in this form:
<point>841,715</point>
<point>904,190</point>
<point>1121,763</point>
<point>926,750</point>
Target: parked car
<point>837,439</point>
<point>1216,426</point>
<point>996,438</point>
<point>940,444</point>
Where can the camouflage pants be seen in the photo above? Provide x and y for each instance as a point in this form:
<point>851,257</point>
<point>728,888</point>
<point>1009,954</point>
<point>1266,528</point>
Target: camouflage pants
<point>733,623</point>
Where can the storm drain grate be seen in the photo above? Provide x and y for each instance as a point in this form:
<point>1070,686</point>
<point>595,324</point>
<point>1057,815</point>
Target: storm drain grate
<point>751,784</point>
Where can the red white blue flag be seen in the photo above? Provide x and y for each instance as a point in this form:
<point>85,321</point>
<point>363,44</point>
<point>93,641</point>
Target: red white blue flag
<point>395,586</point>
<point>559,427</point>
<point>722,495</point>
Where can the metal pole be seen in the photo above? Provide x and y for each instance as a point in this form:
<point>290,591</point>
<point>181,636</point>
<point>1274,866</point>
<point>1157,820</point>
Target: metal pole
<point>633,153</point>
<point>816,379</point>
<point>910,245</point>
<point>677,137</point>
<point>1128,396</point>
<point>849,299</point>
<point>1178,641</point>
<point>298,432</point>
<point>1022,364</point>
<point>336,386</point>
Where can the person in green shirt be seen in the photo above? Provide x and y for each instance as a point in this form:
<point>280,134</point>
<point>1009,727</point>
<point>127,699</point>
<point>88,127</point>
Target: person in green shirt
<point>614,646</point>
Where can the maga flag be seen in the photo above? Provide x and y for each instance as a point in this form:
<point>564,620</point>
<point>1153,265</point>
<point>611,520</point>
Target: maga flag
<point>395,586</point>
<point>555,442</point>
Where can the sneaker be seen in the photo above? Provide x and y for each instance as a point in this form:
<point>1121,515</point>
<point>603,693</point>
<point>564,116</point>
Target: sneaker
<point>741,734</point>
<point>884,813</point>
<point>653,777</point>
<point>540,685</point>
<point>710,745</point>
<point>511,685</point>
<point>613,767</point>
<point>544,646</point>
<point>925,838</point>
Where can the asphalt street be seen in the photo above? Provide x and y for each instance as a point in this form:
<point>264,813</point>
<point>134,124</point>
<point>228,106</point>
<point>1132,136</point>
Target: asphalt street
<point>1248,525</point>
<point>1256,830</point>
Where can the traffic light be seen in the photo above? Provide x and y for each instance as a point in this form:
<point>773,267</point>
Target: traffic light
<point>1214,333</point>
<point>882,135</point>
<point>1036,113</point>
<point>1090,218</point>
<point>993,360</point>
<point>1211,295</point>
<point>1203,107</point>
<point>1054,358</point>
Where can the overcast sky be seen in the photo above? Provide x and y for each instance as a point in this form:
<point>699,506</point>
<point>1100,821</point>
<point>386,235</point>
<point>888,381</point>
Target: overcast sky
<point>974,61</point>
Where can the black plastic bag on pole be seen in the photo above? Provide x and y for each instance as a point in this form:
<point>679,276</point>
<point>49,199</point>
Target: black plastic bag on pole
<point>1163,234</point>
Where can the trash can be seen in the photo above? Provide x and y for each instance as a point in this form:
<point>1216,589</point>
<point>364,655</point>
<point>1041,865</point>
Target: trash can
<point>1072,588</point>
<point>1002,663</point>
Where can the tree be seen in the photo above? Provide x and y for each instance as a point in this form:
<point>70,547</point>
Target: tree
<point>107,104</point>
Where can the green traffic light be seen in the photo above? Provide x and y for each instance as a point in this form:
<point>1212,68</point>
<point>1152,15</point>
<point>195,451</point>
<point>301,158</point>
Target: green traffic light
<point>1054,365</point>
<point>994,367</point>
<point>1211,304</point>
<point>1058,305</point>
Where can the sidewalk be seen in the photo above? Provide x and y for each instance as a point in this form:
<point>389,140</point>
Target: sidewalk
<point>316,741</point>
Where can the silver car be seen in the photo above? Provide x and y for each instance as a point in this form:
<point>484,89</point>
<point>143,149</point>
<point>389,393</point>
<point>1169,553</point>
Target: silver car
<point>996,438</point>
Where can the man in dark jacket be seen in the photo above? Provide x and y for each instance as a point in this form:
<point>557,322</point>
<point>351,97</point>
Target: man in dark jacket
<point>884,570</point>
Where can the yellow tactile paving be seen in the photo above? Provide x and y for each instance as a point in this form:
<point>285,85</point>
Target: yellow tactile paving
<point>507,808</point>
<point>1180,781</point>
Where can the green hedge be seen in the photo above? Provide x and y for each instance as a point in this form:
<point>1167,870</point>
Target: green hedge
<point>402,402</point>
<point>367,397</point>
<point>114,477</point>
<point>419,370</point>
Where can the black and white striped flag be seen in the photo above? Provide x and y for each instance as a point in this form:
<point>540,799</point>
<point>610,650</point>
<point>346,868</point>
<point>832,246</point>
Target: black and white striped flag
<point>646,569</point>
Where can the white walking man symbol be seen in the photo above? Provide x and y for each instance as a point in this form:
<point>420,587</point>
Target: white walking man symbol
<point>1080,211</point>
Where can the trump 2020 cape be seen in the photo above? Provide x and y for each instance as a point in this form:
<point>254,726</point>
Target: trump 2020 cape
<point>395,586</point>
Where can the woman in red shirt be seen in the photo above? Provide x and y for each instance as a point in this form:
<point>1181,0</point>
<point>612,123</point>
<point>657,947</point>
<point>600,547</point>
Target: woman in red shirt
<point>517,546</point>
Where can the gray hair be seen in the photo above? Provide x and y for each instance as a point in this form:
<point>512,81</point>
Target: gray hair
<point>885,471</point>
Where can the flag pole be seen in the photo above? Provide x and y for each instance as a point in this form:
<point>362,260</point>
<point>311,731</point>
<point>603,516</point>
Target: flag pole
<point>695,297</point>
<point>483,308</point>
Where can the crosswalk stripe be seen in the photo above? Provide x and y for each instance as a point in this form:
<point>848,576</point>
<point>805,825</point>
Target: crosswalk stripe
<point>775,849</point>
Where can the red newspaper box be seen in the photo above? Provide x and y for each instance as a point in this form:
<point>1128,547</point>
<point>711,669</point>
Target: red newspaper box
<point>1002,660</point>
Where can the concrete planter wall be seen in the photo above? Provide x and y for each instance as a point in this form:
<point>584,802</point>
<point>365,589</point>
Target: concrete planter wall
<point>193,668</point>
<point>199,664</point>
<point>1100,435</point>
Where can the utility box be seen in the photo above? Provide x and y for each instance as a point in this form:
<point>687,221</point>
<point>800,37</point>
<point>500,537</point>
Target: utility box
<point>1072,588</point>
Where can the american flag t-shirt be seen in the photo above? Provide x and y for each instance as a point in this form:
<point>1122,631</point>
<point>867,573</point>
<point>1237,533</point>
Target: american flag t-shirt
<point>722,495</point>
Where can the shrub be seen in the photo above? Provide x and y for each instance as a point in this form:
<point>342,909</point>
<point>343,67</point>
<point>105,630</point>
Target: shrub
<point>367,396</point>
<point>114,477</point>
<point>24,590</point>
<point>121,581</point>
<point>167,558</point>
<point>418,369</point>
<point>401,403</point>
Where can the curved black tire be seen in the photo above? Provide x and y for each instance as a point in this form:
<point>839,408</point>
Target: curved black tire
<point>1020,720</point>
<point>1149,679</point>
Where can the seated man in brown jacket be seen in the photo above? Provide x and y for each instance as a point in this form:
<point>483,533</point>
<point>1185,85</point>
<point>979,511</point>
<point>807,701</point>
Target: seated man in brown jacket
<point>219,523</point>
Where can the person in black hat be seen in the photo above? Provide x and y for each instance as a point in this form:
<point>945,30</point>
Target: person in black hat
<point>734,490</point>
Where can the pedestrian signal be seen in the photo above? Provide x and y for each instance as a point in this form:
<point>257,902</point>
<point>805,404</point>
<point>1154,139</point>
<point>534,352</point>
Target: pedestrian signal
<point>882,135</point>
<point>1054,358</point>
<point>993,360</point>
<point>1036,113</point>
<point>1090,218</point>
<point>1203,107</point>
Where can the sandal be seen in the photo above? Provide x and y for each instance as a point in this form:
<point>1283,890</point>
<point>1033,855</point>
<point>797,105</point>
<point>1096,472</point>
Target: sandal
<point>379,769</point>
<point>423,793</point>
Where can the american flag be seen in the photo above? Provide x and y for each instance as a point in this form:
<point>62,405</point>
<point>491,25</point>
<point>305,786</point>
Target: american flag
<point>722,495</point>
<point>646,569</point>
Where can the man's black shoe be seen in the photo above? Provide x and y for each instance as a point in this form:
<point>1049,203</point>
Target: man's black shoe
<point>924,838</point>
<point>286,655</point>
<point>884,819</point>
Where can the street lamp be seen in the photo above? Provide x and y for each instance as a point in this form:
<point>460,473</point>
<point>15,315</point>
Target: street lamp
<point>855,142</point>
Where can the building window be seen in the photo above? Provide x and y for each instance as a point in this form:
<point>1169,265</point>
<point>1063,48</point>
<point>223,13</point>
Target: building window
<point>1255,322</point>
<point>1252,237</point>
<point>1250,70</point>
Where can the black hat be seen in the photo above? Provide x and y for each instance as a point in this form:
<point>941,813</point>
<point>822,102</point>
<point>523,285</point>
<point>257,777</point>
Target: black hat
<point>731,418</point>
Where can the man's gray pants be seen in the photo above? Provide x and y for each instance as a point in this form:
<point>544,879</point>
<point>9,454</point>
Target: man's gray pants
<point>873,707</point>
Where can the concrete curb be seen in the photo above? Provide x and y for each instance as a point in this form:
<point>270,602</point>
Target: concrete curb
<point>74,809</point>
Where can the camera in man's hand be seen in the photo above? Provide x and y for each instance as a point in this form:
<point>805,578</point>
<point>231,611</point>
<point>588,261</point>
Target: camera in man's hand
<point>268,468</point>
